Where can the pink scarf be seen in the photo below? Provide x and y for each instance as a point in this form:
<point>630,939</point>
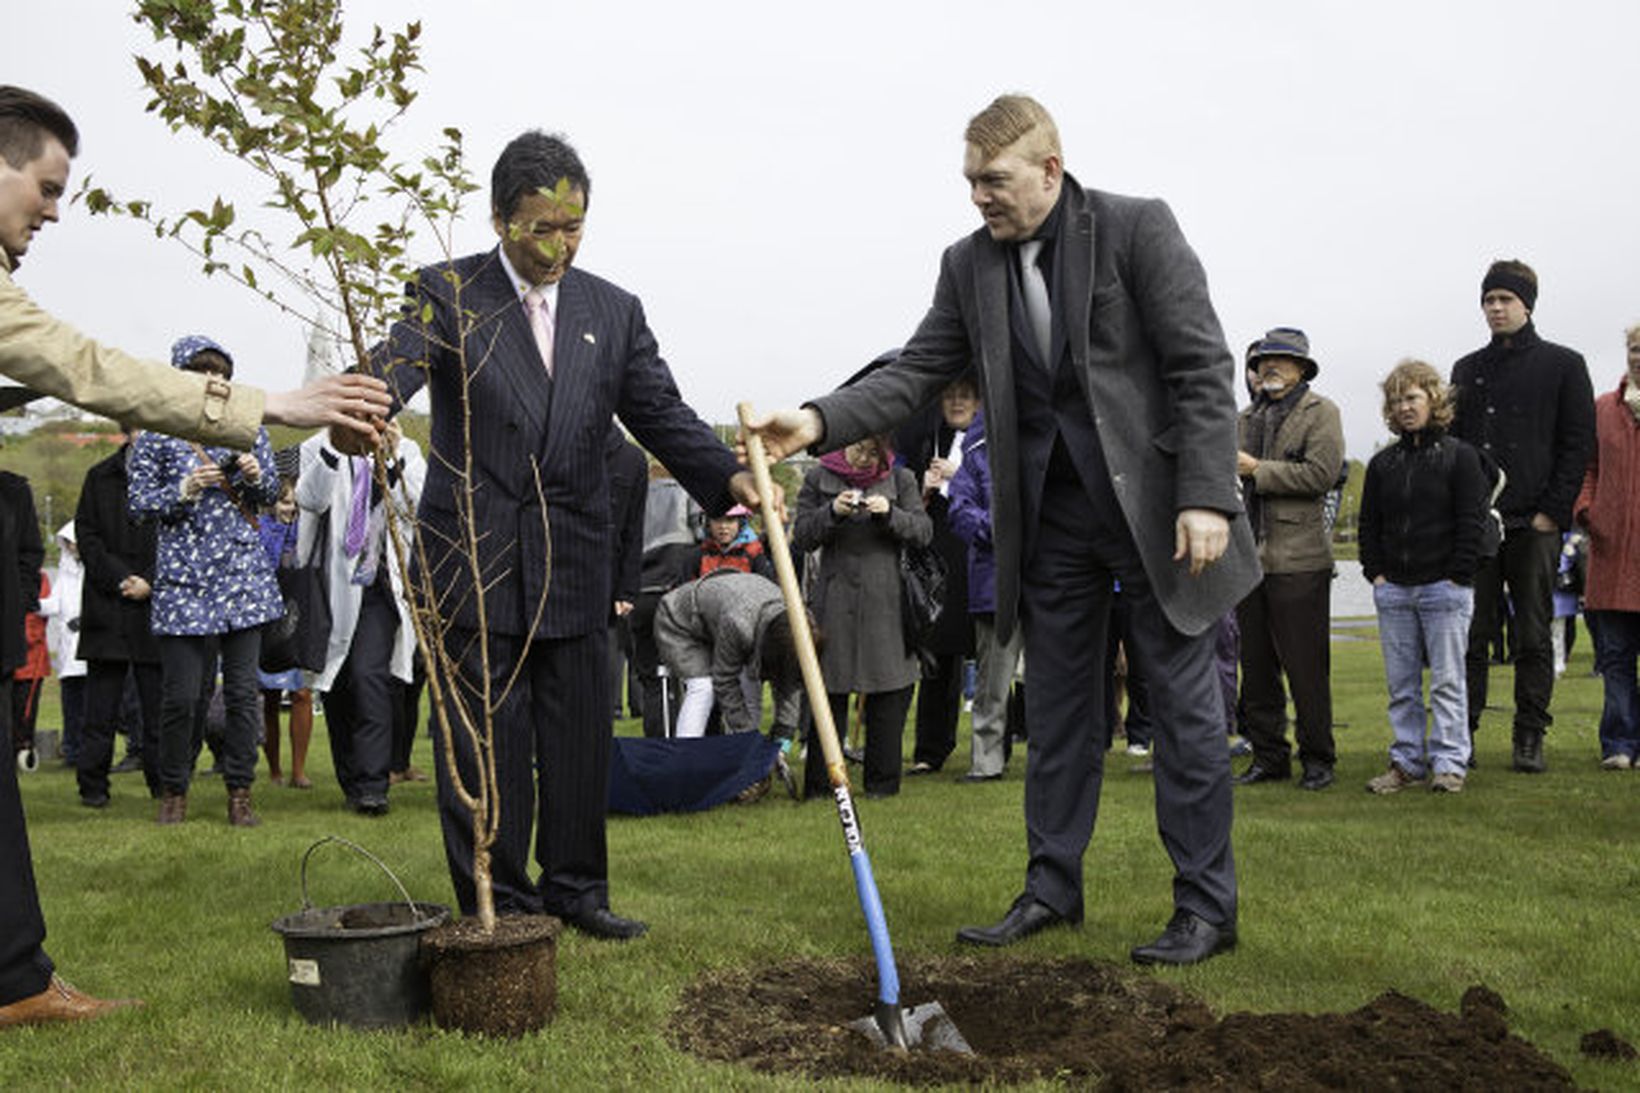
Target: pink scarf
<point>837,463</point>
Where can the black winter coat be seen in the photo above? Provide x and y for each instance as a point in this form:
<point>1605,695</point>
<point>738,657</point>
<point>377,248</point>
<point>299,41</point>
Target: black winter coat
<point>1422,504</point>
<point>1529,405</point>
<point>113,546</point>
<point>20,556</point>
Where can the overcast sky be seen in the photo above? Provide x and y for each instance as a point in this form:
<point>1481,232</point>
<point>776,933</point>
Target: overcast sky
<point>777,181</point>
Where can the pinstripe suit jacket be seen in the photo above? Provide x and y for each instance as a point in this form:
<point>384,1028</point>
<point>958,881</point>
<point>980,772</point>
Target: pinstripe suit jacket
<point>467,339</point>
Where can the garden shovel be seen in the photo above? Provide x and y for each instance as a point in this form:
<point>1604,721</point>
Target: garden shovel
<point>928,1025</point>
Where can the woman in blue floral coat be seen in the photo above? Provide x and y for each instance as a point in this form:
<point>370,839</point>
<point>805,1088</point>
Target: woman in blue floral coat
<point>213,588</point>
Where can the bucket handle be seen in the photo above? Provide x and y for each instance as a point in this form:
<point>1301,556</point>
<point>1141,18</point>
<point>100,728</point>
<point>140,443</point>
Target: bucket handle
<point>307,904</point>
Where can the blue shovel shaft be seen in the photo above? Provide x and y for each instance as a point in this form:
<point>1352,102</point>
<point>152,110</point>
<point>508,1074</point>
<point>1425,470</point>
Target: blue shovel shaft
<point>871,904</point>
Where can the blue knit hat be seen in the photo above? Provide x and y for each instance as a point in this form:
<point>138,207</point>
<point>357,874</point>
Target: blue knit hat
<point>186,348</point>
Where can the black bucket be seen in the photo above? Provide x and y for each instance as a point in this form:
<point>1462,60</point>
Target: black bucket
<point>358,965</point>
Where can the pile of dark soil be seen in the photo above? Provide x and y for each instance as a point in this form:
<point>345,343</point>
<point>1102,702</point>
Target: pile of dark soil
<point>1083,1022</point>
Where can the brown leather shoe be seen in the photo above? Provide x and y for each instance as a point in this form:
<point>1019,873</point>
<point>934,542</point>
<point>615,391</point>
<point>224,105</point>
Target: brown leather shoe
<point>60,1002</point>
<point>173,808</point>
<point>239,808</point>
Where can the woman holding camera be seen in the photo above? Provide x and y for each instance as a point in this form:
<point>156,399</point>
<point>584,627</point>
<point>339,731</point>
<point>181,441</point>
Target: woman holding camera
<point>212,580</point>
<point>858,509</point>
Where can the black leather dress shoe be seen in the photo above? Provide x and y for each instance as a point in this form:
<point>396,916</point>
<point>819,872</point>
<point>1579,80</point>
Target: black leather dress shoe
<point>1317,776</point>
<point>1027,916</point>
<point>1258,772</point>
<point>603,923</point>
<point>1188,939</point>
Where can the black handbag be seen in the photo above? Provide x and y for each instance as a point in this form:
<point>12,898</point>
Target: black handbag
<point>301,638</point>
<point>922,591</point>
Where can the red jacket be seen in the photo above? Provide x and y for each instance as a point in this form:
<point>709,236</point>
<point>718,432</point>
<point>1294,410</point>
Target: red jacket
<point>747,557</point>
<point>37,663</point>
<point>1609,506</point>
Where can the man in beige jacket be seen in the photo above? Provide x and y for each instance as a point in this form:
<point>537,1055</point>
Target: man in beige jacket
<point>37,140</point>
<point>1291,449</point>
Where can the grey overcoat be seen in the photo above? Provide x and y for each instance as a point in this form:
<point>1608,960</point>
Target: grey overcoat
<point>1151,360</point>
<point>856,597</point>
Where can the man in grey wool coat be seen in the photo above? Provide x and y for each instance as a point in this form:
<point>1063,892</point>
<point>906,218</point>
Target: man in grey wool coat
<point>1112,434</point>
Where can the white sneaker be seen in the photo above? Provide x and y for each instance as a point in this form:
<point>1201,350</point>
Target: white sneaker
<point>1447,783</point>
<point>1616,761</point>
<point>1138,751</point>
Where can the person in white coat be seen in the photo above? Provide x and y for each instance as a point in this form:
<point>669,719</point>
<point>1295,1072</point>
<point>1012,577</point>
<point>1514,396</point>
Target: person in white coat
<point>372,641</point>
<point>62,611</point>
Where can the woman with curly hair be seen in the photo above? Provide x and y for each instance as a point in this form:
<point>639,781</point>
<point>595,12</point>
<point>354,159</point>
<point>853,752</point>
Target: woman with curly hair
<point>1422,507</point>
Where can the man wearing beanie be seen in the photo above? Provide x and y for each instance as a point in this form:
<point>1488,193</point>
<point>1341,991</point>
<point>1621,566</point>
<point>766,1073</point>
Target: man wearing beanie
<point>1291,448</point>
<point>1528,405</point>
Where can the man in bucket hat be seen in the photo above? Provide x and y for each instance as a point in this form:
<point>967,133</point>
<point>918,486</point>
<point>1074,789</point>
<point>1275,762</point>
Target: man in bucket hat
<point>1291,448</point>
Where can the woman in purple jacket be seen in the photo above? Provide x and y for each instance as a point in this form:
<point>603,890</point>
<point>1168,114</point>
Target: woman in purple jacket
<point>970,520</point>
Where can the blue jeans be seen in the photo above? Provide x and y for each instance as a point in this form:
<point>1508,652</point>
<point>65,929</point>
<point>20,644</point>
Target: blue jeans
<point>1417,625</point>
<point>1616,649</point>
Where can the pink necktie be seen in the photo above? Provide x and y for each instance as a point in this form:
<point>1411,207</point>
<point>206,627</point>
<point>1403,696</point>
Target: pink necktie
<point>535,302</point>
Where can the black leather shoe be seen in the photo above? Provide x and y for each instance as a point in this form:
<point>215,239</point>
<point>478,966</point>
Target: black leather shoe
<point>603,923</point>
<point>127,765</point>
<point>1317,776</point>
<point>94,800</point>
<point>368,804</point>
<point>1258,772</point>
<point>1188,939</point>
<point>1027,916</point>
<point>1528,751</point>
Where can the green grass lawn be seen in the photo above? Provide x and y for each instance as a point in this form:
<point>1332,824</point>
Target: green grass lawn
<point>1527,884</point>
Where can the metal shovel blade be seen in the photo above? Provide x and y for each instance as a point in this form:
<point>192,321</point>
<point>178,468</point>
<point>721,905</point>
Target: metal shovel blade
<point>927,1028</point>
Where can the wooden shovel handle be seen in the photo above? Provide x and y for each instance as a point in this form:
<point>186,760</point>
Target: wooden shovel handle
<point>802,636</point>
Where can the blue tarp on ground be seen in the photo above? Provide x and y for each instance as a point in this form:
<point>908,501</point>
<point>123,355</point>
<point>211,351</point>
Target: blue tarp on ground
<point>648,776</point>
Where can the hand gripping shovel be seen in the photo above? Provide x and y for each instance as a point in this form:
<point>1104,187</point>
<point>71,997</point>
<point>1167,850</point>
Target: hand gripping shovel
<point>927,1025</point>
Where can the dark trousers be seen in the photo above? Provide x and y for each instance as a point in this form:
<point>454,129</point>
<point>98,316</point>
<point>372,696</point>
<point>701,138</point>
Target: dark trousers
<point>884,716</point>
<point>359,705</point>
<point>25,708</point>
<point>104,698</point>
<point>1617,648</point>
<point>71,692</point>
<point>1284,631</point>
<point>660,696</point>
<point>406,717</point>
<point>184,662</point>
<point>1227,655</point>
<point>552,745</point>
<point>25,969</point>
<point>1079,549</point>
<point>939,702</point>
<point>620,648</point>
<point>1525,564</point>
<point>1136,723</point>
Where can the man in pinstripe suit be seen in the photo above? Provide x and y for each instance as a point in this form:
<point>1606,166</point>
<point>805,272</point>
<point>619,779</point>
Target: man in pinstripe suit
<point>542,354</point>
